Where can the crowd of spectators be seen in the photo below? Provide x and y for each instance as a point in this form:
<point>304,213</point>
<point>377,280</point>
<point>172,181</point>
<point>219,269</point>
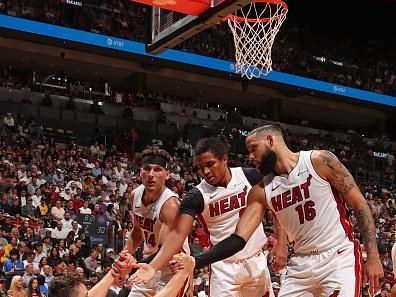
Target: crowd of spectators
<point>44,186</point>
<point>299,51</point>
<point>296,50</point>
<point>65,85</point>
<point>116,18</point>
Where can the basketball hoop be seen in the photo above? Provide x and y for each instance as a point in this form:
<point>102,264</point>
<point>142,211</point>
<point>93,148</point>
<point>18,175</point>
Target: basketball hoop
<point>254,28</point>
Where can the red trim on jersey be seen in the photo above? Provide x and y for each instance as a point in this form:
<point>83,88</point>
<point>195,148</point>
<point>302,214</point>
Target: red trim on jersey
<point>204,226</point>
<point>348,228</point>
<point>358,269</point>
<point>184,289</point>
<point>344,216</point>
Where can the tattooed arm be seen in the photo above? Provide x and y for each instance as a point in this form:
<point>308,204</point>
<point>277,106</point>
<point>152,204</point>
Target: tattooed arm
<point>331,169</point>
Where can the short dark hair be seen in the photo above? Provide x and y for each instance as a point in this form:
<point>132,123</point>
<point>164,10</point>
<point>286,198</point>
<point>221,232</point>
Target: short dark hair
<point>41,279</point>
<point>274,129</point>
<point>157,152</point>
<point>14,252</point>
<point>218,145</point>
<point>64,286</point>
<point>37,244</point>
<point>106,262</point>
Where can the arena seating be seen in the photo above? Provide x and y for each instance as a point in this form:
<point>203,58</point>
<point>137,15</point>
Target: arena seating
<point>366,66</point>
<point>67,149</point>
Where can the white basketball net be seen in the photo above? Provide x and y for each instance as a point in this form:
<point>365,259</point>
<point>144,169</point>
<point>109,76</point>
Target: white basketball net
<point>254,28</point>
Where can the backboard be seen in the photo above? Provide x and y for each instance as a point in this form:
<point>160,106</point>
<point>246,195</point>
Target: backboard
<point>170,22</point>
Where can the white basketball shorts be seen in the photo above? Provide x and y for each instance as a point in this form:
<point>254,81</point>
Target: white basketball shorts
<point>334,272</point>
<point>241,278</point>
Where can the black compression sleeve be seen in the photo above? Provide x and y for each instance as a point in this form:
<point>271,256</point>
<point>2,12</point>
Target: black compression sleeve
<point>253,175</point>
<point>223,250</point>
<point>193,203</point>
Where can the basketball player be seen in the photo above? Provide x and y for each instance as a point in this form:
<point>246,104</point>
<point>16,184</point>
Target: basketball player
<point>308,191</point>
<point>154,209</point>
<point>218,201</point>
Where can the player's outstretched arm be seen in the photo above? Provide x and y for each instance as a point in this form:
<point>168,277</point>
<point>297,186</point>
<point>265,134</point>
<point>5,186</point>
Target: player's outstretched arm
<point>102,287</point>
<point>168,216</point>
<point>246,226</point>
<point>170,247</point>
<point>331,169</point>
<point>253,214</point>
<point>278,256</point>
<point>133,241</point>
<point>136,236</point>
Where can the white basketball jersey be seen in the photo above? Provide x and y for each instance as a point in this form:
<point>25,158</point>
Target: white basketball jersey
<point>311,211</point>
<point>149,218</point>
<point>223,208</point>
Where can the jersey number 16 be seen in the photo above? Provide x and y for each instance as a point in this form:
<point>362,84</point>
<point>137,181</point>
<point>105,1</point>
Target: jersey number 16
<point>306,212</point>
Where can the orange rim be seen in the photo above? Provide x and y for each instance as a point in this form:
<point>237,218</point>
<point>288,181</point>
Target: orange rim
<point>239,19</point>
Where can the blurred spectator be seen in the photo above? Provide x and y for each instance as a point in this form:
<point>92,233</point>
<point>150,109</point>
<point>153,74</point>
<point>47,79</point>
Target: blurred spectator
<point>8,121</point>
<point>27,275</point>
<point>16,288</point>
<point>58,211</point>
<point>13,267</point>
<point>33,288</point>
<point>195,247</point>
<point>91,262</point>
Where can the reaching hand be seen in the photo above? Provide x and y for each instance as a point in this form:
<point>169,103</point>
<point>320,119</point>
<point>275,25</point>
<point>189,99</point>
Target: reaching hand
<point>145,273</point>
<point>124,264</point>
<point>188,262</point>
<point>129,283</point>
<point>176,264</point>
<point>182,262</point>
<point>373,273</point>
<point>278,257</point>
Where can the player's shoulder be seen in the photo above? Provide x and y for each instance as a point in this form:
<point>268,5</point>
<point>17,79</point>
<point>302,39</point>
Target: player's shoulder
<point>193,202</point>
<point>321,154</point>
<point>194,193</point>
<point>323,157</point>
<point>172,203</point>
<point>135,192</point>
